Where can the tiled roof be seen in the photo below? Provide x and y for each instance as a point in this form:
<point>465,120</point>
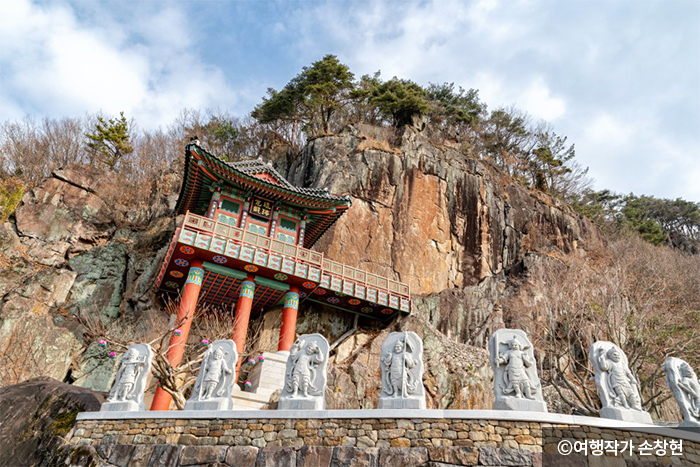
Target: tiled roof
<point>256,166</point>
<point>204,171</point>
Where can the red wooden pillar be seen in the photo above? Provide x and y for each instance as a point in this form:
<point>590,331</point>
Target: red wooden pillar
<point>289,320</point>
<point>240,321</point>
<point>176,347</point>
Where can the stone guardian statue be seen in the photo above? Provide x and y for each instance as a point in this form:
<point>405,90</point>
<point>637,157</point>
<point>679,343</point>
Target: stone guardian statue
<point>402,372</point>
<point>130,381</point>
<point>516,384</point>
<point>217,375</point>
<point>306,374</point>
<point>617,386</point>
<point>683,381</point>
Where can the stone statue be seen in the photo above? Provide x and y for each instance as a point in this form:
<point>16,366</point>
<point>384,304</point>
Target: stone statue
<point>402,372</point>
<point>617,387</point>
<point>516,384</point>
<point>306,374</point>
<point>683,381</point>
<point>212,390</point>
<point>130,381</point>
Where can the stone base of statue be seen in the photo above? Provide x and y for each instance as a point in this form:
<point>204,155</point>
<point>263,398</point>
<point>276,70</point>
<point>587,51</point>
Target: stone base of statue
<point>516,403</point>
<point>694,425</point>
<point>627,415</point>
<point>122,406</point>
<point>215,403</point>
<point>301,403</point>
<point>399,403</point>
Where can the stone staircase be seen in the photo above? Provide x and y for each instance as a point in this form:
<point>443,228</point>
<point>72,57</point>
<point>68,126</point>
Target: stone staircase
<point>265,379</point>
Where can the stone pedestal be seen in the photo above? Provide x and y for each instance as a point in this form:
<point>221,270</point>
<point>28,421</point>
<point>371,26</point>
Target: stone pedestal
<point>526,405</point>
<point>124,406</point>
<point>627,415</point>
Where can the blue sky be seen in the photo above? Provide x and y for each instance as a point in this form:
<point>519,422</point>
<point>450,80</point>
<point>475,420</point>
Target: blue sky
<point>620,78</point>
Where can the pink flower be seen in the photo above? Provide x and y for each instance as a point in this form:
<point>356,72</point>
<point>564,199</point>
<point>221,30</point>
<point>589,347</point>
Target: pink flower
<point>261,359</point>
<point>102,343</point>
<point>112,355</point>
<point>247,384</point>
<point>177,332</point>
<point>251,361</point>
<point>205,342</point>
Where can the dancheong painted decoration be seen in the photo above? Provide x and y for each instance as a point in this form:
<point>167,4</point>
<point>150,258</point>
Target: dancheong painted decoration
<point>245,245</point>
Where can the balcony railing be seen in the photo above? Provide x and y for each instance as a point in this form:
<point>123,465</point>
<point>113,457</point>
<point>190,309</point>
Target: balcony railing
<point>227,240</point>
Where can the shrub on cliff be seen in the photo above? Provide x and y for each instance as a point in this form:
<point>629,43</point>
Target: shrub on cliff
<point>11,191</point>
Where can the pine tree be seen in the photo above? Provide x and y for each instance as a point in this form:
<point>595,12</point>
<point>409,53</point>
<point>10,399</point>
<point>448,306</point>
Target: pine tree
<point>110,140</point>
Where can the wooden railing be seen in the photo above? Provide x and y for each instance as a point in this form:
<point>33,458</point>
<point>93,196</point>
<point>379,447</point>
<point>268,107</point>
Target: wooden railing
<point>262,242</point>
<point>332,269</point>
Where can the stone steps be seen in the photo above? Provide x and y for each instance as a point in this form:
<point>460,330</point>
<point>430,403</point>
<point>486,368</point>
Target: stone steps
<point>266,378</point>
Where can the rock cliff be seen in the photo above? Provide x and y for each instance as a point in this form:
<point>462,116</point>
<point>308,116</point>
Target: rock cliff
<point>454,229</point>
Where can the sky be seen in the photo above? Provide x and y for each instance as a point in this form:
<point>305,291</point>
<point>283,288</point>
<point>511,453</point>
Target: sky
<point>620,79</point>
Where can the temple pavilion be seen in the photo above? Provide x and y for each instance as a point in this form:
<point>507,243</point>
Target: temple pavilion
<point>245,245</point>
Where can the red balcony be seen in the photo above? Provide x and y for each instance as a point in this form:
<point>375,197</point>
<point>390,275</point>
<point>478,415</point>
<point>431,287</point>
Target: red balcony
<point>230,253</point>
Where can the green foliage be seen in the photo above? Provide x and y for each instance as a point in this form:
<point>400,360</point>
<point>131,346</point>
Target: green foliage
<point>633,215</point>
<point>313,96</point>
<point>11,191</point>
<point>400,100</point>
<point>456,107</point>
<point>224,134</point>
<point>504,139</point>
<point>110,140</point>
<point>599,206</point>
<point>657,220</point>
<point>362,109</point>
<point>548,161</point>
<point>278,105</point>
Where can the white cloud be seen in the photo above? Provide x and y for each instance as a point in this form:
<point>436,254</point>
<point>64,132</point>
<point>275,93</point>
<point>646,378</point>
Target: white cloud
<point>621,80</point>
<point>538,101</point>
<point>608,130</point>
<point>66,63</point>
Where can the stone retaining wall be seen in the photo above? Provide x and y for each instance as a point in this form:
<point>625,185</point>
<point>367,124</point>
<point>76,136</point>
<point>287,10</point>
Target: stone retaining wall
<point>365,441</point>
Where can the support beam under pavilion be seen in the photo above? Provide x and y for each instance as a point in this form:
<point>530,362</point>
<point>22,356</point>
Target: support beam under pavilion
<point>185,313</point>
<point>289,320</point>
<point>242,317</point>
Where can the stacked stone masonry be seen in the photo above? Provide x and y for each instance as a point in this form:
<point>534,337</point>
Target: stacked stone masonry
<point>357,442</point>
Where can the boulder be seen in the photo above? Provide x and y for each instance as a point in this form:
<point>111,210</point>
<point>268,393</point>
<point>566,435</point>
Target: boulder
<point>35,338</point>
<point>37,415</point>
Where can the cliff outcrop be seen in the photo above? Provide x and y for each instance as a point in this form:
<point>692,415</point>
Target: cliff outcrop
<point>453,228</point>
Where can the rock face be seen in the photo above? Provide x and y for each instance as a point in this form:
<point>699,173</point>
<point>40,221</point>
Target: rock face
<point>71,251</point>
<point>36,415</point>
<point>450,227</point>
<point>454,229</point>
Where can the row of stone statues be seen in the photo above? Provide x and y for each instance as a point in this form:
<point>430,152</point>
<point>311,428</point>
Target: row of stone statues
<point>516,383</point>
<point>517,386</point>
